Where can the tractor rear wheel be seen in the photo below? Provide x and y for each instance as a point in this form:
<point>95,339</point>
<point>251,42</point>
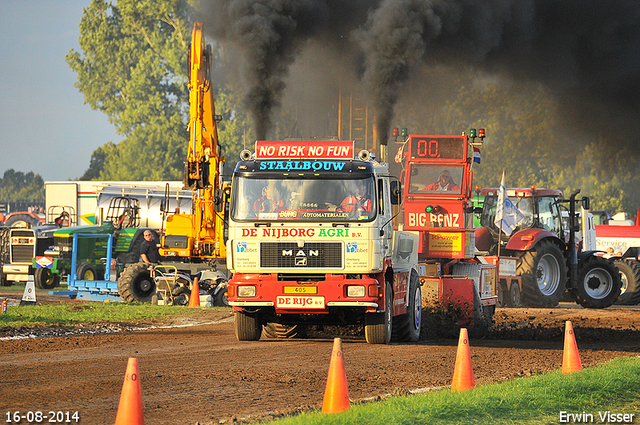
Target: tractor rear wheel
<point>598,283</point>
<point>45,279</point>
<point>136,284</point>
<point>544,275</point>
<point>22,220</point>
<point>248,326</point>
<point>630,276</point>
<point>378,326</point>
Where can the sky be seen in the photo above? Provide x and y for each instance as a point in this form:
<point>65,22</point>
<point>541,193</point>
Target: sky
<point>45,126</point>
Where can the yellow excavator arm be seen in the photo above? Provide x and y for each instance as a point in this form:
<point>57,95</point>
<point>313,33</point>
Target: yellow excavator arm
<point>202,168</point>
<point>199,234</point>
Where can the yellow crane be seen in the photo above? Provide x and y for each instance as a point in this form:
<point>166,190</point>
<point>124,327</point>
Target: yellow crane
<point>199,234</point>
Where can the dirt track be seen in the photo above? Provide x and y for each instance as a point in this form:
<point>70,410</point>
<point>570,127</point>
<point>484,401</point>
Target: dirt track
<point>198,373</point>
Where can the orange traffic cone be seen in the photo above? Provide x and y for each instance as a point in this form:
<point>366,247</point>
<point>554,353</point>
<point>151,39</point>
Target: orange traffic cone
<point>570,357</point>
<point>336,394</point>
<point>194,301</point>
<point>463,372</point>
<point>130,408</point>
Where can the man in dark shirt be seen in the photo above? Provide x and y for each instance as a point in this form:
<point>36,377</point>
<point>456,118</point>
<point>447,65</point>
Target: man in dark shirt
<point>149,249</point>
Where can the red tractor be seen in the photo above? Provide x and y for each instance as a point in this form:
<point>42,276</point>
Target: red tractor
<point>550,256</point>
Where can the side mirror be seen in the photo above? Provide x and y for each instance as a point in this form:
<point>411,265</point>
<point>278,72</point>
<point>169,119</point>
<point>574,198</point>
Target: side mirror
<point>162,206</point>
<point>396,192</point>
<point>586,203</point>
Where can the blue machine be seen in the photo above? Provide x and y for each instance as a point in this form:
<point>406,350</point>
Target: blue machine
<point>93,290</point>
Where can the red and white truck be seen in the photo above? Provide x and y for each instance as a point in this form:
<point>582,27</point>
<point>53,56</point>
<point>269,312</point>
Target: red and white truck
<point>304,252</point>
<point>619,236</point>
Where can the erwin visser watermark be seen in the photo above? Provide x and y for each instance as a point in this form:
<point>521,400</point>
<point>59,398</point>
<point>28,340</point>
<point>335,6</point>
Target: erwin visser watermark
<point>600,417</point>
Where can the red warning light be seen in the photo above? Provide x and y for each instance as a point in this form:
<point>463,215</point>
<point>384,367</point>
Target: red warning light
<point>481,132</point>
<point>395,132</point>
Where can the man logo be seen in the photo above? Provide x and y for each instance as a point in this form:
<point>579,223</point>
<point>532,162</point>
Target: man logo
<point>300,253</point>
<point>301,261</point>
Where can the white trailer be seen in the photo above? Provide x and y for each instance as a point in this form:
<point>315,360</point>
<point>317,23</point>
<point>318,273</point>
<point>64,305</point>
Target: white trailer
<point>87,199</point>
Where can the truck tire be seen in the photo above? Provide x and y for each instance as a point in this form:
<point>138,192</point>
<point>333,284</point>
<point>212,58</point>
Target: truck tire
<point>248,326</point>
<point>378,326</point>
<point>544,275</point>
<point>45,279</point>
<point>513,299</point>
<point>482,316</point>
<point>86,271</point>
<point>407,326</point>
<point>135,283</point>
<point>22,220</point>
<point>598,283</point>
<point>630,277</point>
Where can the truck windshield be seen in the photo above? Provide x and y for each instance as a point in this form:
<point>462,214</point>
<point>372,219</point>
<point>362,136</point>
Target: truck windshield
<point>435,178</point>
<point>303,199</point>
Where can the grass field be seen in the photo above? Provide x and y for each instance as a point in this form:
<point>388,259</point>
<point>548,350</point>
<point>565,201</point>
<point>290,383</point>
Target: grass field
<point>87,312</point>
<point>602,394</point>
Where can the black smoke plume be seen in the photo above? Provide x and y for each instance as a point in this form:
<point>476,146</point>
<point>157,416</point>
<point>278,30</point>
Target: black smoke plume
<point>588,51</point>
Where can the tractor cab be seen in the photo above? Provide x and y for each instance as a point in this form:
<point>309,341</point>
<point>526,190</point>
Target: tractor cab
<point>532,211</point>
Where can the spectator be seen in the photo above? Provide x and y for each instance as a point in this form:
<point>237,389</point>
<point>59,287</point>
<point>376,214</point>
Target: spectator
<point>149,249</point>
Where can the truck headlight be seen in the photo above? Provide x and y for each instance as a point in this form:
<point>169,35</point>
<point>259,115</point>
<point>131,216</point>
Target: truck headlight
<point>355,291</point>
<point>246,291</point>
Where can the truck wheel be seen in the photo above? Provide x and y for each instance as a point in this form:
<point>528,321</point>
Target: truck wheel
<point>407,326</point>
<point>544,275</point>
<point>248,326</point>
<point>630,277</point>
<point>482,316</point>
<point>598,283</point>
<point>378,326</point>
<point>45,279</point>
<point>86,271</point>
<point>135,283</point>
<point>513,299</point>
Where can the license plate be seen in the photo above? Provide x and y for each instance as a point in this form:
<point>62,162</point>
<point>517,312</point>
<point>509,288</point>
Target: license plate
<point>293,301</point>
<point>300,289</point>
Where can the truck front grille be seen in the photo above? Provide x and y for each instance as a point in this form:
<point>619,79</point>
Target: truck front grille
<point>312,255</point>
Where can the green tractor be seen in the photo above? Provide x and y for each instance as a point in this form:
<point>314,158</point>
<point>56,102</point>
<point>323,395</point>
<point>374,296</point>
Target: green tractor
<point>121,221</point>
